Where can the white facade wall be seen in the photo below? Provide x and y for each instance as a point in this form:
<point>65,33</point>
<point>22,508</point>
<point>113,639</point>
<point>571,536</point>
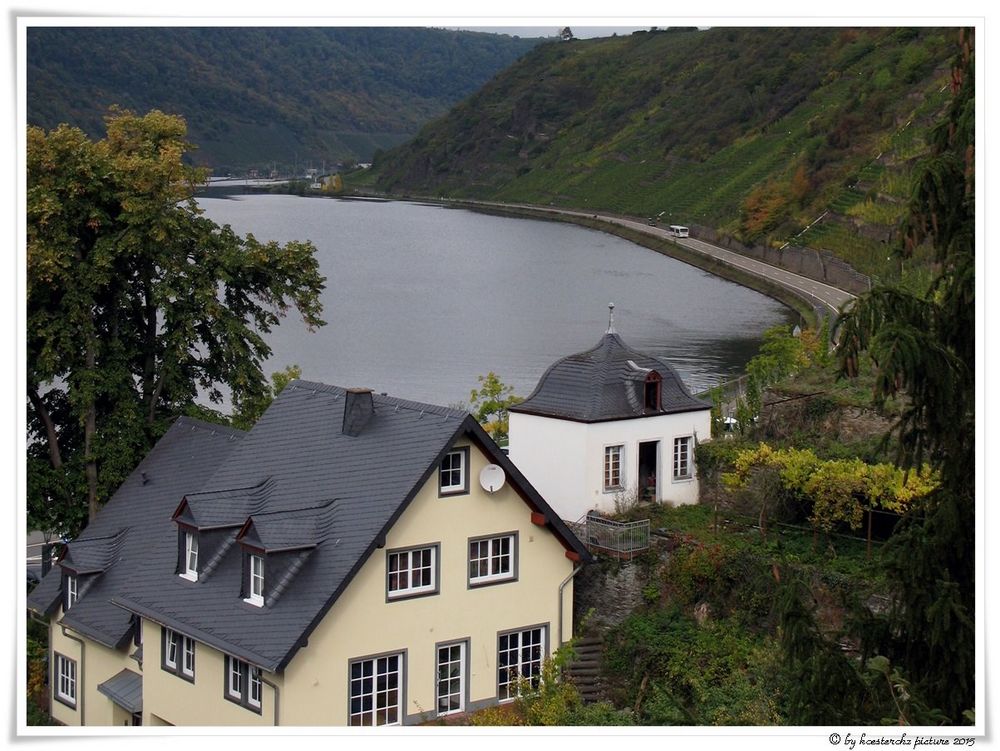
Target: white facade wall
<point>552,454</point>
<point>564,459</point>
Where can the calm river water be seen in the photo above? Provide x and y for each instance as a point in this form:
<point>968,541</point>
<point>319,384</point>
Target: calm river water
<point>422,299</point>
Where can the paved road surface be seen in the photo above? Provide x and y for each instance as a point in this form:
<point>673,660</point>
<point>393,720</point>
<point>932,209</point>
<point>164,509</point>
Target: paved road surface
<point>823,294</point>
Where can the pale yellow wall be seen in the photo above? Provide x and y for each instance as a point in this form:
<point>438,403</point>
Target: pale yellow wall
<point>181,702</point>
<point>98,664</point>
<point>314,688</point>
<point>362,623</point>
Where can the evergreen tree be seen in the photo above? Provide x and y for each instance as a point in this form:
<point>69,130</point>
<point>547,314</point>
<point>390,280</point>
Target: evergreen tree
<point>923,348</point>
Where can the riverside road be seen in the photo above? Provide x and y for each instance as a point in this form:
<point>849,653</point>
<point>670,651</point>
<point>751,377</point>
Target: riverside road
<point>813,291</point>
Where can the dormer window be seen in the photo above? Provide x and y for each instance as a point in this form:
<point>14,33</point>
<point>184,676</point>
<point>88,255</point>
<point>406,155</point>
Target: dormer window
<point>255,567</point>
<point>651,400</point>
<point>189,569</point>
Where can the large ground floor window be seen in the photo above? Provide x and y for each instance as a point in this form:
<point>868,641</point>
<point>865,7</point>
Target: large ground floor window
<point>377,691</point>
<point>519,656</point>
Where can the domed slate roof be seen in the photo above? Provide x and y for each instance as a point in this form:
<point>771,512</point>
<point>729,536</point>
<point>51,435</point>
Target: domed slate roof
<point>607,383</point>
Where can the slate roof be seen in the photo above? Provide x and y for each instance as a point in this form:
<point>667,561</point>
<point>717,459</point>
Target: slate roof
<point>306,487</point>
<point>124,689</point>
<point>132,525</point>
<point>93,555</point>
<point>607,383</point>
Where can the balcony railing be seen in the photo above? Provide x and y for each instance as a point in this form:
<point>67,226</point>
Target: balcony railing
<point>622,540</point>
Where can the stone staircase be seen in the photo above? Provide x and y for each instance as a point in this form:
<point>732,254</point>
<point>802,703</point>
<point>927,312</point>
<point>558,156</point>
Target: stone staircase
<point>585,671</point>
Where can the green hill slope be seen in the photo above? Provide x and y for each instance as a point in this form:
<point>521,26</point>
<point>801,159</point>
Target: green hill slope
<point>752,131</point>
<point>255,96</point>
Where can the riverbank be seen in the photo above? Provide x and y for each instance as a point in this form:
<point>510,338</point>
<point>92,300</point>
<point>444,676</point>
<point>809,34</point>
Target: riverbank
<point>809,309</point>
<point>810,298</point>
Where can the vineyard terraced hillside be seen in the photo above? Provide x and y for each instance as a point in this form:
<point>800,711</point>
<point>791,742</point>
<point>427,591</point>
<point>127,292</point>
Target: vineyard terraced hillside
<point>755,132</point>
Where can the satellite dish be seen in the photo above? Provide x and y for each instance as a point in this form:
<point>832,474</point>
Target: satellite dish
<point>492,478</point>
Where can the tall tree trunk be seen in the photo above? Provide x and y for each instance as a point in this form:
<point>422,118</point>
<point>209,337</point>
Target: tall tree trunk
<point>89,433</point>
<point>150,393</point>
<point>51,436</point>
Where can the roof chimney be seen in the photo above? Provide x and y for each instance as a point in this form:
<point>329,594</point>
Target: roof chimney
<point>358,410</point>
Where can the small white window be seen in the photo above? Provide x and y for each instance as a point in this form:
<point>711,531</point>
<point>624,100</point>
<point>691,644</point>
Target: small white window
<point>188,666</point>
<point>66,680</point>
<point>682,458</point>
<point>256,581</point>
<point>453,474</point>
<point>170,652</point>
<point>243,684</point>
<point>190,556</point>
<point>235,682</point>
<point>613,467</point>
<point>255,686</point>
<point>411,572</point>
<point>491,559</point>
<point>71,591</point>
<point>178,654</point>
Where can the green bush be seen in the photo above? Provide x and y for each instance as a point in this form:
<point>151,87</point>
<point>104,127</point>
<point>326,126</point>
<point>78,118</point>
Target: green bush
<point>680,673</point>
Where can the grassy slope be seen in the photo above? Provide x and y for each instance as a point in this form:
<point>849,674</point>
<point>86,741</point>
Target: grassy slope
<point>754,131</point>
<point>257,95</point>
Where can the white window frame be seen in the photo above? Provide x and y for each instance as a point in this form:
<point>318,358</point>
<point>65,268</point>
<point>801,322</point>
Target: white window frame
<point>190,571</point>
<point>450,663</point>
<point>610,451</point>
<point>255,691</point>
<point>493,559</point>
<point>256,564</point>
<point>65,683</point>
<point>234,689</point>
<point>172,643</point>
<point>369,678</point>
<point>178,654</point>
<point>405,566</point>
<point>462,485</point>
<point>244,685</point>
<point>72,590</point>
<point>187,656</point>
<point>686,461</point>
<point>508,679</point>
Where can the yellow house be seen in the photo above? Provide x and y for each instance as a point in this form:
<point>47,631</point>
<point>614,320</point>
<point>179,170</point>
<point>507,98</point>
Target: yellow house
<point>354,559</point>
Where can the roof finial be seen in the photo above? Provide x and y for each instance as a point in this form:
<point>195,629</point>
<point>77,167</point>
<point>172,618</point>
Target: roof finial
<point>611,318</point>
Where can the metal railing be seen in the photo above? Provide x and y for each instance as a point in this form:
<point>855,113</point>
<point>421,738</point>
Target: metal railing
<point>623,540</point>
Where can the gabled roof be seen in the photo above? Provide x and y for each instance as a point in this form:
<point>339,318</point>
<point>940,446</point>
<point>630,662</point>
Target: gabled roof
<point>93,555</point>
<point>137,519</point>
<point>288,530</point>
<point>332,496</point>
<point>607,383</point>
<point>224,507</point>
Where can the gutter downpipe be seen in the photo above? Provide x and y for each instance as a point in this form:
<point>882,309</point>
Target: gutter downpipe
<point>277,696</point>
<point>576,570</point>
<point>81,684</point>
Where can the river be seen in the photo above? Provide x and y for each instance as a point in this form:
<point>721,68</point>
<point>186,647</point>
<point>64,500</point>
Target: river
<point>422,299</point>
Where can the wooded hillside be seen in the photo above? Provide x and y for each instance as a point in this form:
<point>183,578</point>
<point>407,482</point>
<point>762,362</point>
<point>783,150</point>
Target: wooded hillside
<point>257,96</point>
<point>750,130</point>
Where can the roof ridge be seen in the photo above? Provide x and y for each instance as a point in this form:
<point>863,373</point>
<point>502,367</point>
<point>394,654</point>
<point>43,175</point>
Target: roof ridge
<point>258,486</point>
<point>378,398</point>
<point>319,507</point>
<point>214,427</point>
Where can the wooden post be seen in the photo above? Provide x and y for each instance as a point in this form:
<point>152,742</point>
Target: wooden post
<point>868,552</point>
